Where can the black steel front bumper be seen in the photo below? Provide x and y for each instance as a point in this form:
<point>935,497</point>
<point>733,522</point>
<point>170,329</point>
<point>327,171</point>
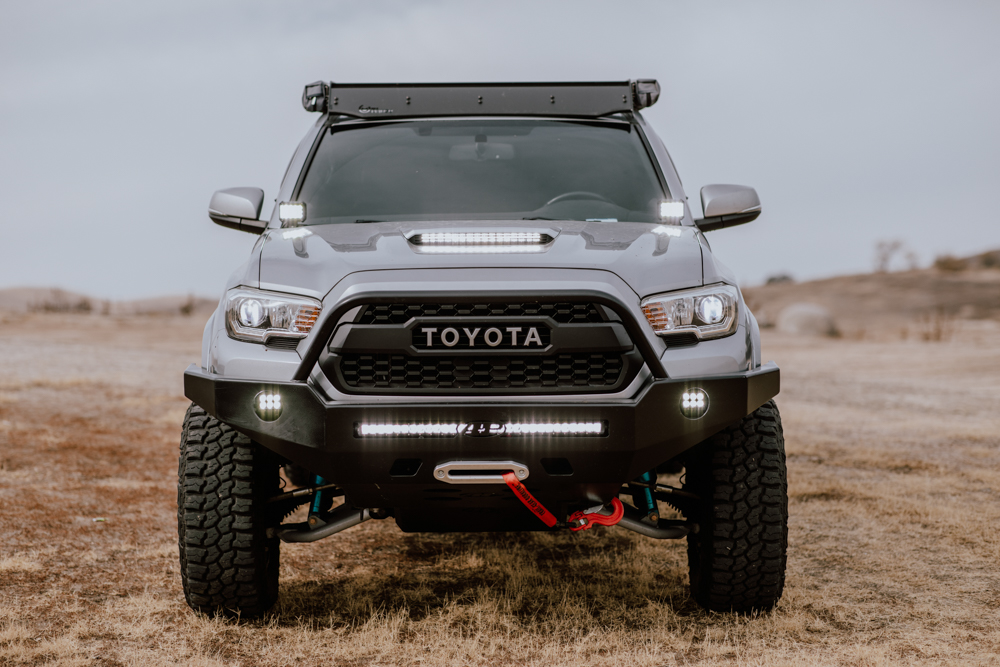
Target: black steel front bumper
<point>320,436</point>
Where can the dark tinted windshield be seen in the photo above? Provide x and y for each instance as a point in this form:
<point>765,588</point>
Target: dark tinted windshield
<point>481,170</point>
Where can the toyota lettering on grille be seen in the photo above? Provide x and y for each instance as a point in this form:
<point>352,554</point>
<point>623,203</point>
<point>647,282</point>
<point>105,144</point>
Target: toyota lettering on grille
<point>481,337</point>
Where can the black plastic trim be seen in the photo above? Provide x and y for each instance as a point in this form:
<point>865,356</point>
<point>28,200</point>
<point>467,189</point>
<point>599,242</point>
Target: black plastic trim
<point>239,224</point>
<point>559,338</point>
<point>631,365</point>
<point>721,221</point>
<point>307,163</point>
<point>651,156</point>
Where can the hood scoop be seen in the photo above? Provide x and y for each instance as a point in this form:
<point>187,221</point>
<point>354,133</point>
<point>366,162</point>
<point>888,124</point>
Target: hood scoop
<point>455,242</point>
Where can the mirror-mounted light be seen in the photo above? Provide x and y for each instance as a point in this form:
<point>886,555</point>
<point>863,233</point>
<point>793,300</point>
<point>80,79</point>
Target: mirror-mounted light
<point>292,212</point>
<point>671,211</point>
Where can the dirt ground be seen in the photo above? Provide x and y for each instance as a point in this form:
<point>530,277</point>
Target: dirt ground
<point>894,466</point>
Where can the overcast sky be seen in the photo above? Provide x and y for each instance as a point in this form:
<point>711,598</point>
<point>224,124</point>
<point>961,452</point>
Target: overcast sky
<point>856,121</point>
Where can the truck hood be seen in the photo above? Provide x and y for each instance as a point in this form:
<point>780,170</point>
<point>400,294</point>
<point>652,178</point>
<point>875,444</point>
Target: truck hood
<point>311,260</point>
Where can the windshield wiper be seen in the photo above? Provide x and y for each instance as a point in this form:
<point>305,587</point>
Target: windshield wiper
<point>543,218</point>
<point>363,220</point>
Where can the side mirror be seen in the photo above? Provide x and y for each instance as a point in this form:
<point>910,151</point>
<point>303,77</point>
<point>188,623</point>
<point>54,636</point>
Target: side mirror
<point>727,205</point>
<point>238,208</point>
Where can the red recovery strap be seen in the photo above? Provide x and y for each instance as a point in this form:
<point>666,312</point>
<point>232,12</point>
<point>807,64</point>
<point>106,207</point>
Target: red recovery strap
<point>529,500</point>
<point>583,520</point>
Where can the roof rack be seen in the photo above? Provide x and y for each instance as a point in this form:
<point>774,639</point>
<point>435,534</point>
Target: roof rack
<point>408,100</point>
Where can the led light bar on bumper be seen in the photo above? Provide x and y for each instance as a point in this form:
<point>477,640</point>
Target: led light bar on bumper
<point>707,312</point>
<point>256,316</point>
<point>480,429</point>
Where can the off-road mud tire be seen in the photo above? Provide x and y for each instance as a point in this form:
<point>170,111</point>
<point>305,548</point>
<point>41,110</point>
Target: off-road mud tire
<point>228,563</point>
<point>737,558</point>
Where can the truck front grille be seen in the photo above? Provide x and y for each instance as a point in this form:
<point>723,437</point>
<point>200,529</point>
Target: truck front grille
<point>400,348</point>
<point>397,371</point>
<point>400,313</point>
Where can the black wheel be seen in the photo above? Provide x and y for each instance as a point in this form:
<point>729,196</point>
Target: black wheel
<point>737,558</point>
<point>228,563</point>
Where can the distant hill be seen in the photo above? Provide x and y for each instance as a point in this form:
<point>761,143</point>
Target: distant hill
<point>954,289</point>
<point>54,300</point>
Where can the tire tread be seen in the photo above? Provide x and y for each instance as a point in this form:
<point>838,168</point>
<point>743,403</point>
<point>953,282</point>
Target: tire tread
<point>228,563</point>
<point>737,559</point>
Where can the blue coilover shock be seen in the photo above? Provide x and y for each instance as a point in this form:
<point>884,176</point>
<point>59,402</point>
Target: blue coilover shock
<point>642,496</point>
<point>320,502</point>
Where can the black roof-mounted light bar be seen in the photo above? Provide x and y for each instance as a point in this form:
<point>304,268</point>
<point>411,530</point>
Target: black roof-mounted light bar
<point>408,100</point>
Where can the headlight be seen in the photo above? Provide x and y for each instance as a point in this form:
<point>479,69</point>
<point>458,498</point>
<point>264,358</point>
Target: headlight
<point>707,312</point>
<point>256,316</point>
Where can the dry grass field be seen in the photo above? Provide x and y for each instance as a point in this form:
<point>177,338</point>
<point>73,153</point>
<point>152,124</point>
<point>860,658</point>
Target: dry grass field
<point>894,466</point>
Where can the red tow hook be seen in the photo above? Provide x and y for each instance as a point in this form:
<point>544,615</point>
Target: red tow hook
<point>582,519</point>
<point>586,521</point>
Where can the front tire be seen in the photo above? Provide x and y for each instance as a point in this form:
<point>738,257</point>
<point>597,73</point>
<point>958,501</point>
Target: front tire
<point>737,558</point>
<point>228,563</point>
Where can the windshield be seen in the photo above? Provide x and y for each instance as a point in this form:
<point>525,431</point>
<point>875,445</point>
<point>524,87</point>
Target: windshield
<point>481,170</point>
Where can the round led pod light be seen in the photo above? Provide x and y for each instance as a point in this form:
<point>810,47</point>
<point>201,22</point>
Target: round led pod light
<point>694,403</point>
<point>267,405</point>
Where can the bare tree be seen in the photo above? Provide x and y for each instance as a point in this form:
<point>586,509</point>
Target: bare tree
<point>884,252</point>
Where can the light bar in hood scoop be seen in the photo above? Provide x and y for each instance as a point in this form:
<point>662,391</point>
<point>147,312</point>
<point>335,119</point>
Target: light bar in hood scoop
<point>480,238</point>
<point>480,242</point>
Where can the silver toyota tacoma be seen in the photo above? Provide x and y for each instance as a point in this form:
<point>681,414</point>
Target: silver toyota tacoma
<point>482,307</point>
